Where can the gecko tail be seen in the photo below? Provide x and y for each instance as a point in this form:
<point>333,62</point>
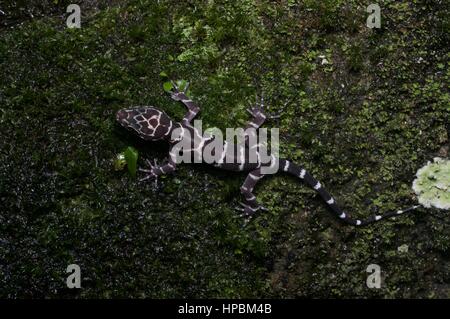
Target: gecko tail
<point>300,172</point>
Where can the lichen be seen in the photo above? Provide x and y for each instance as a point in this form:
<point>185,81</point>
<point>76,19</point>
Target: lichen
<point>432,184</point>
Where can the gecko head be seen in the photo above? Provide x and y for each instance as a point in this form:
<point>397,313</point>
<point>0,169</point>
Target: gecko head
<point>148,122</point>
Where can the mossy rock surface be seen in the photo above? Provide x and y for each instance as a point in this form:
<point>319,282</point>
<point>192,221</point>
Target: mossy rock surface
<point>363,123</point>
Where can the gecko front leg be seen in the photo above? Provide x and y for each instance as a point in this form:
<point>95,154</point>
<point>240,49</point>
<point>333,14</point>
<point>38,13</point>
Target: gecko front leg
<point>258,119</point>
<point>157,170</point>
<point>193,108</point>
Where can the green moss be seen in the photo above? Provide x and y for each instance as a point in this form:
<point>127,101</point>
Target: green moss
<point>363,124</point>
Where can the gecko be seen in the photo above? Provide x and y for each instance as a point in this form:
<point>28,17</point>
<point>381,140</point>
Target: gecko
<point>152,124</point>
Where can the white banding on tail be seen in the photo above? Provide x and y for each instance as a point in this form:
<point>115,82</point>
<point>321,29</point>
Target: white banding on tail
<point>286,166</point>
<point>273,162</point>
<point>343,215</point>
<point>317,186</point>
<point>242,159</point>
<point>253,124</point>
<point>258,158</point>
<point>224,152</point>
<point>330,201</point>
<point>302,174</point>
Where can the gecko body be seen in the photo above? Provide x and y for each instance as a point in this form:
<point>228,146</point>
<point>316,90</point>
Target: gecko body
<point>152,124</point>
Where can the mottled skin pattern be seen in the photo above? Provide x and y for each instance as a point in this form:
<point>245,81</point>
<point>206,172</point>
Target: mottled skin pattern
<point>152,124</point>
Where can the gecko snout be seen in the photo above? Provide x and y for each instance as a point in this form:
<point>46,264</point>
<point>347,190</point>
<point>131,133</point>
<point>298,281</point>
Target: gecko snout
<point>121,116</point>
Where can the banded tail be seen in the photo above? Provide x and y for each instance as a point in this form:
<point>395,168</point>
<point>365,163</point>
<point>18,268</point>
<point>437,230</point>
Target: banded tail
<point>301,173</point>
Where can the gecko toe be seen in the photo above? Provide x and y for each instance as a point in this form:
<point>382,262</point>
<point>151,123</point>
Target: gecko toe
<point>145,178</point>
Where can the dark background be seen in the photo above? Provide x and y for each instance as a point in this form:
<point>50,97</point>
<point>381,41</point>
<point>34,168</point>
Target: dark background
<point>362,122</point>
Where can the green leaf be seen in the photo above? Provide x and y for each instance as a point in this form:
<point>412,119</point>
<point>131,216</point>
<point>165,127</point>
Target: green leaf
<point>163,74</point>
<point>131,157</point>
<point>182,84</point>
<point>167,86</point>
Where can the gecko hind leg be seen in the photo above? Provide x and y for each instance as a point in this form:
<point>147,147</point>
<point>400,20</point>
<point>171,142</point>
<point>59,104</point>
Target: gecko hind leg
<point>258,118</point>
<point>250,206</point>
<point>257,113</point>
